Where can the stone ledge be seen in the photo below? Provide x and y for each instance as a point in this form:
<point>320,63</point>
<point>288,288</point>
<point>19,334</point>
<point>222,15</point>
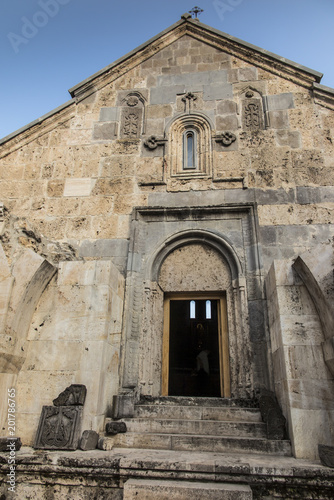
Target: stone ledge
<point>84,471</point>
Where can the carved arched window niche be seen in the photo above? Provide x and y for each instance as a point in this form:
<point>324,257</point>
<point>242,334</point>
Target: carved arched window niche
<point>190,150</point>
<point>189,146</point>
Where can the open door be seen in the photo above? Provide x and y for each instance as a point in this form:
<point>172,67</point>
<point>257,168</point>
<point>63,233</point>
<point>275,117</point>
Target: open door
<point>195,346</point>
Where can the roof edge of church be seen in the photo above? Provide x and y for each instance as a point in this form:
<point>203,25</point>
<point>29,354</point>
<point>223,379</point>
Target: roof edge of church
<point>195,22</point>
<point>322,91</point>
<point>38,121</point>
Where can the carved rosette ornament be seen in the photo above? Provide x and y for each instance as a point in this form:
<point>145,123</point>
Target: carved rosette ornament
<point>226,139</point>
<point>153,142</point>
<point>132,100</point>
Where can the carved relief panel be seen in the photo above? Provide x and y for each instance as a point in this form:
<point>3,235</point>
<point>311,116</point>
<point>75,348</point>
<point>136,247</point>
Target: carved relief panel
<point>132,116</point>
<point>252,110</point>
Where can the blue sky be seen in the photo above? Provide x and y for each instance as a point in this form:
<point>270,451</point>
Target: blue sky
<point>48,46</point>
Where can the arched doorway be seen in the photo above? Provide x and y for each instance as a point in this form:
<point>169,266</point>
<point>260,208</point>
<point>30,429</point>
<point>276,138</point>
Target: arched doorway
<point>195,359</point>
<point>165,262</point>
<point>195,280</point>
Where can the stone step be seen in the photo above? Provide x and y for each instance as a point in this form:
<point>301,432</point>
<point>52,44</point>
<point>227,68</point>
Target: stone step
<point>219,413</point>
<point>195,427</point>
<point>198,401</point>
<point>217,444</point>
<point>150,489</point>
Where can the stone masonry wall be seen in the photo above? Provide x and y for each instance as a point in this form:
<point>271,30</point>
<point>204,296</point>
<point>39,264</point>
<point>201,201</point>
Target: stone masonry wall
<point>77,180</point>
<point>69,185</point>
<point>303,383</point>
<point>74,337</point>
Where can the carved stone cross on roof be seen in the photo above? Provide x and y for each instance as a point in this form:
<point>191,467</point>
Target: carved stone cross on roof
<point>195,11</point>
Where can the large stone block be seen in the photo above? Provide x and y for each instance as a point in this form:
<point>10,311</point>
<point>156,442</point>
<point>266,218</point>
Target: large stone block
<point>278,119</point>
<point>311,394</point>
<point>165,95</point>
<point>104,131</point>
<point>184,490</point>
<point>305,442</point>
<point>306,362</point>
<point>89,440</point>
<point>78,187</point>
<point>216,91</point>
<point>326,455</point>
<point>227,122</point>
<point>280,101</point>
<point>247,74</point>
<point>109,114</point>
<point>288,138</point>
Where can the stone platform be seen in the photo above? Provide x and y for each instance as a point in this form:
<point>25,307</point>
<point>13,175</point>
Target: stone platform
<point>119,473</point>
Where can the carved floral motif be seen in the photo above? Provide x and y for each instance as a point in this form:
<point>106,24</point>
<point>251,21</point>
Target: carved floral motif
<point>130,128</point>
<point>252,115</point>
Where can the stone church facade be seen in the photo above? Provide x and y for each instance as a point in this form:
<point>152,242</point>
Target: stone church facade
<point>195,172</point>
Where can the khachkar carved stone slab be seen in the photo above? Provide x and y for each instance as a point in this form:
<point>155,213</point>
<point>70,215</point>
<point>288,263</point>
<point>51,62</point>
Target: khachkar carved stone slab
<point>74,395</point>
<point>252,114</point>
<point>59,428</point>
<point>131,123</point>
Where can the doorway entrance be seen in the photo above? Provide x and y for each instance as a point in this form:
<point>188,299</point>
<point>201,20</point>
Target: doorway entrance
<point>195,346</point>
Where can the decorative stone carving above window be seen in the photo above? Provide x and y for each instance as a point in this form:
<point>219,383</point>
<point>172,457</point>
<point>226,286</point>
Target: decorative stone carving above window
<point>189,146</point>
<point>132,116</point>
<point>251,109</point>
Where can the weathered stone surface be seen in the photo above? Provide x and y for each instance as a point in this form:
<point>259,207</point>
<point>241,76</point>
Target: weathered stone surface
<point>278,119</point>
<point>326,455</point>
<point>70,184</point>
<point>89,440</point>
<point>280,101</point>
<point>288,138</point>
<point>113,428</point>
<point>104,131</point>
<point>183,490</point>
<point>8,444</point>
<point>109,114</point>
<point>272,415</point>
<point>123,406</point>
<point>227,122</point>
<point>74,395</point>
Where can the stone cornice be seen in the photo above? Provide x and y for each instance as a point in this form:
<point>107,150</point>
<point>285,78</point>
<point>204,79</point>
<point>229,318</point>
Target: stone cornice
<point>37,128</point>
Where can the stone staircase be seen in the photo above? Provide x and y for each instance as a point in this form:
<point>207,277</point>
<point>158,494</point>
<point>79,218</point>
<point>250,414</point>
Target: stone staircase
<point>147,489</point>
<point>197,424</point>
